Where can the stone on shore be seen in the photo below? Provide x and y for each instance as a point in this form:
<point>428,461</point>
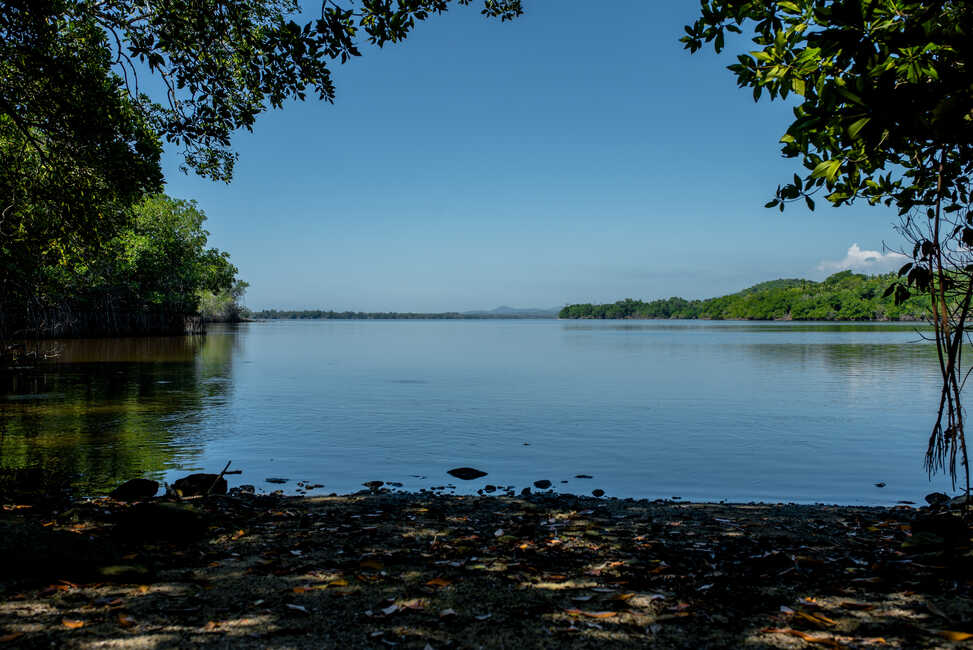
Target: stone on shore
<point>196,485</point>
<point>135,490</point>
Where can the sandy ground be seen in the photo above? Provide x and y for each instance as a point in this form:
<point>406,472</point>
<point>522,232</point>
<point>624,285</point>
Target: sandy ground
<point>425,571</point>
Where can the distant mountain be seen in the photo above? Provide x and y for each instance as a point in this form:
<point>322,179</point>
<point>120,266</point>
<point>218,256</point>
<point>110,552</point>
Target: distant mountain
<point>504,310</point>
<point>320,314</point>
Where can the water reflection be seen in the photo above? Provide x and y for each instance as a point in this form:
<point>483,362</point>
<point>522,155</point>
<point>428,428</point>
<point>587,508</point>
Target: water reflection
<point>107,410</point>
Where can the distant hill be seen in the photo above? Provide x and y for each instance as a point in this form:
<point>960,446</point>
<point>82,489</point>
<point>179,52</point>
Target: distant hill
<point>844,296</point>
<point>529,312</point>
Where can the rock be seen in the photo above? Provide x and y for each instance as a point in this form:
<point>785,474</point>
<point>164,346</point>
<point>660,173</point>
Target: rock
<point>937,499</point>
<point>394,484</point>
<point>542,484</point>
<point>598,492</point>
<point>525,492</point>
<point>583,476</point>
<point>880,485</point>
<point>165,521</point>
<point>466,473</point>
<point>135,490</point>
<point>373,485</point>
<point>489,488</point>
<point>279,481</point>
<point>196,485</point>
<point>242,489</point>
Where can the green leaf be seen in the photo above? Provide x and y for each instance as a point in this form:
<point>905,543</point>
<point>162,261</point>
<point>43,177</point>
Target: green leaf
<point>826,169</point>
<point>857,126</point>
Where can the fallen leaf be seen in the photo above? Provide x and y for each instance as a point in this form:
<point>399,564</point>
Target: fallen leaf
<point>447,612</point>
<point>817,619</point>
<point>852,605</point>
<point>371,564</point>
<point>126,621</point>
<point>952,635</point>
<point>72,624</point>
<point>299,608</point>
<point>415,603</point>
<point>810,638</point>
<point>13,636</point>
<point>391,609</point>
<point>439,582</point>
<point>623,597</point>
<point>580,612</point>
<point>238,534</point>
<point>483,617</point>
<point>210,626</point>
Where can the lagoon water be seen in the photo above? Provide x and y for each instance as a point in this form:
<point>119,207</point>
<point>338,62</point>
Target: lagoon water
<point>742,411</point>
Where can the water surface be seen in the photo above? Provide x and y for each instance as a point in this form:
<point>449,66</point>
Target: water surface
<point>804,412</point>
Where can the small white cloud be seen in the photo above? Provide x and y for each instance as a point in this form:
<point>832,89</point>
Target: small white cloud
<point>864,261</point>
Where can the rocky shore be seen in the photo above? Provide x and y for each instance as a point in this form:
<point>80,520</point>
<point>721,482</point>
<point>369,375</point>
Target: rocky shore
<point>384,570</point>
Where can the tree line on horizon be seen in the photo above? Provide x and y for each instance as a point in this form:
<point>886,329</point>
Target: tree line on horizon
<point>844,296</point>
<point>321,314</point>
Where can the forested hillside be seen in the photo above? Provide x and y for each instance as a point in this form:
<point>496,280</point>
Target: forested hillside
<point>843,296</point>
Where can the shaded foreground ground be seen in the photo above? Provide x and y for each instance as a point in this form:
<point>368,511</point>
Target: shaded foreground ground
<point>417,571</point>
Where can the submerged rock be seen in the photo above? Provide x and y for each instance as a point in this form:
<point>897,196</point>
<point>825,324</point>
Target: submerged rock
<point>937,499</point>
<point>373,485</point>
<point>135,490</point>
<point>466,473</point>
<point>196,485</point>
<point>276,480</point>
<point>542,484</point>
<point>598,492</point>
<point>489,488</point>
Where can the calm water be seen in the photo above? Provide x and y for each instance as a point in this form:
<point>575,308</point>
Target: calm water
<point>700,410</point>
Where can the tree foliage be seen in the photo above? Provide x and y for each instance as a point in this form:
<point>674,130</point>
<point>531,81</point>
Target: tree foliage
<point>196,71</point>
<point>844,296</point>
<point>90,91</point>
<point>882,98</point>
<point>158,263</point>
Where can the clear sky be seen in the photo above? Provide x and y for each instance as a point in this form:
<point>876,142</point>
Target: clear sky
<point>577,154</point>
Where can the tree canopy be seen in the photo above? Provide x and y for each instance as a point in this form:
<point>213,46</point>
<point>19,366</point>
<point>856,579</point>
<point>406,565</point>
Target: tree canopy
<point>844,296</point>
<point>215,65</point>
<point>882,97</point>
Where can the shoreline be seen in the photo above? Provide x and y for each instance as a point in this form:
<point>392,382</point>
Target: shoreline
<point>442,571</point>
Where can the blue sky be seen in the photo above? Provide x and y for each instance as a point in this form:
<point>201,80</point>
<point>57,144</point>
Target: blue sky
<point>577,154</point>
